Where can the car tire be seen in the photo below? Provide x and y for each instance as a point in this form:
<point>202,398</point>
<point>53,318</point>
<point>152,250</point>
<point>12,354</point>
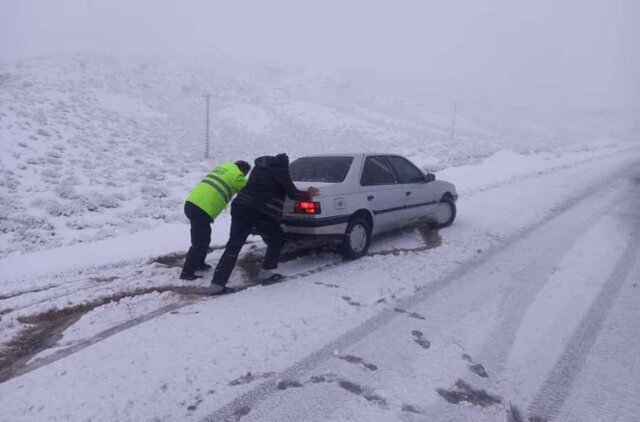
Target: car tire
<point>445,213</point>
<point>357,238</point>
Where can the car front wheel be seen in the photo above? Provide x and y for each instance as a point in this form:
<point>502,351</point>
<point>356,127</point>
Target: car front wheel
<point>356,239</point>
<point>445,213</point>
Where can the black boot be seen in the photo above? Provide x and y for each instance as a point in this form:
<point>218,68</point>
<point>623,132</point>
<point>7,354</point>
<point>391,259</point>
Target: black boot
<point>203,267</point>
<point>216,289</point>
<point>190,277</point>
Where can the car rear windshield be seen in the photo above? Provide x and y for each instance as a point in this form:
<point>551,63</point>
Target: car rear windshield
<point>320,169</point>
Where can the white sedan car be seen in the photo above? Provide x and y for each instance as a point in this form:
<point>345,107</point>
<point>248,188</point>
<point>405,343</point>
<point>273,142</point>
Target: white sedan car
<point>362,195</point>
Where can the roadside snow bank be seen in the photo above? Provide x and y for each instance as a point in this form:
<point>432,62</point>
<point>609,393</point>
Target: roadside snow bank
<point>163,240</point>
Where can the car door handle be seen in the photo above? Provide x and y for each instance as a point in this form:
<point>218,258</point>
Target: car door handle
<point>370,197</point>
<point>408,193</point>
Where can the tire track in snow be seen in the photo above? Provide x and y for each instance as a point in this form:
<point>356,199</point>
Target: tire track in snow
<point>263,391</point>
<point>527,281</point>
<point>191,298</point>
<point>91,285</point>
<point>39,363</point>
<point>557,386</point>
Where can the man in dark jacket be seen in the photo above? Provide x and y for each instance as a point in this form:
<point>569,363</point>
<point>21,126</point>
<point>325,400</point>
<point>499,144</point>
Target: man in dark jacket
<point>258,209</point>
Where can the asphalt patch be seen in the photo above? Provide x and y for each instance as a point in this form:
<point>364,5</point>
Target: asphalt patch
<point>411,409</point>
<point>410,314</point>
<point>479,370</point>
<point>464,392</point>
<point>358,361</point>
<point>359,390</point>
<point>194,406</point>
<point>286,384</point>
<point>320,283</point>
<point>249,377</point>
<point>476,368</point>
<point>419,338</point>
<point>351,302</point>
<point>329,378</point>
<point>103,279</point>
<point>317,379</point>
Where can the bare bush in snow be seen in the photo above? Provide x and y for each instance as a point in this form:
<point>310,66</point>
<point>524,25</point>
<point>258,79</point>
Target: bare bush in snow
<point>98,201</point>
<point>100,235</point>
<point>81,224</point>
<point>156,175</point>
<point>67,209</point>
<point>66,191</point>
<point>27,233</point>
<point>154,191</point>
<point>21,222</point>
<point>9,181</point>
<point>35,239</point>
<point>51,173</point>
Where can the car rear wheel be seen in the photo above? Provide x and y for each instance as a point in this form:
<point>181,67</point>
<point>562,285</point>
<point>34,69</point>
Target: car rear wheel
<point>356,238</point>
<point>445,213</point>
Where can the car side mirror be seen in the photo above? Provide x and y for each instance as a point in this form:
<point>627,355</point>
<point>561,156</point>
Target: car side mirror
<point>430,177</point>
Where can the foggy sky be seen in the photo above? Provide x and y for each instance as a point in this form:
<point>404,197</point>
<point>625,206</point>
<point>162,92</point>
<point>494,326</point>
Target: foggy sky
<point>566,52</point>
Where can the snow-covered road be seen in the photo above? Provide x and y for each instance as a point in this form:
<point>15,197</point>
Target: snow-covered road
<point>525,307</point>
<point>500,334</point>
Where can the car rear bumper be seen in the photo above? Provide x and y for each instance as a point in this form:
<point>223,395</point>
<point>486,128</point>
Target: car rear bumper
<point>314,240</point>
<point>316,226</point>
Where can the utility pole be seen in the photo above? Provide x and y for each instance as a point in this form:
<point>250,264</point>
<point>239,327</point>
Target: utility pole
<point>206,146</point>
<point>453,122</point>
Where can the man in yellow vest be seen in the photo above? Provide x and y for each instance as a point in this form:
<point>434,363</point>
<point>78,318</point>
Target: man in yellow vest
<point>203,205</point>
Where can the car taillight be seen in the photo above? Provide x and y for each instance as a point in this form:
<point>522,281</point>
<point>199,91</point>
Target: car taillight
<point>307,207</point>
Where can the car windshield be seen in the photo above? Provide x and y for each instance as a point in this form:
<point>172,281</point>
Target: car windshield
<point>320,169</point>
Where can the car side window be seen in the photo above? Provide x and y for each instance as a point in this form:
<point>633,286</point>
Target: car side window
<point>405,171</point>
<point>377,172</point>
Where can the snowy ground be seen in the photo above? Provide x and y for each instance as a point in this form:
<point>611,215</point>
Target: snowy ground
<point>499,302</point>
<point>525,307</point>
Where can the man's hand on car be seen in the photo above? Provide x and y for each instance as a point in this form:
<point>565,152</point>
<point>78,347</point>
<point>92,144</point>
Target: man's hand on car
<point>313,191</point>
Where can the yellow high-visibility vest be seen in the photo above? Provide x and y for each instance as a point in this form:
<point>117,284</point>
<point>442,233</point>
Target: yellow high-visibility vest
<point>215,191</point>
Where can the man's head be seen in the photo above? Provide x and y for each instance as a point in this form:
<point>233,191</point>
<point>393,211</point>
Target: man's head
<point>243,166</point>
<point>282,159</point>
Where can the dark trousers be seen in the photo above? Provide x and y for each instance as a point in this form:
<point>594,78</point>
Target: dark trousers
<point>200,237</point>
<point>245,221</point>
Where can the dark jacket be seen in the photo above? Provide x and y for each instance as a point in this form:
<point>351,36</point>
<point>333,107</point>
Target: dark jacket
<point>269,183</point>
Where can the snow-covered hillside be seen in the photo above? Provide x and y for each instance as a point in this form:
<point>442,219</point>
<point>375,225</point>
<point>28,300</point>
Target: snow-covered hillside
<point>93,147</point>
